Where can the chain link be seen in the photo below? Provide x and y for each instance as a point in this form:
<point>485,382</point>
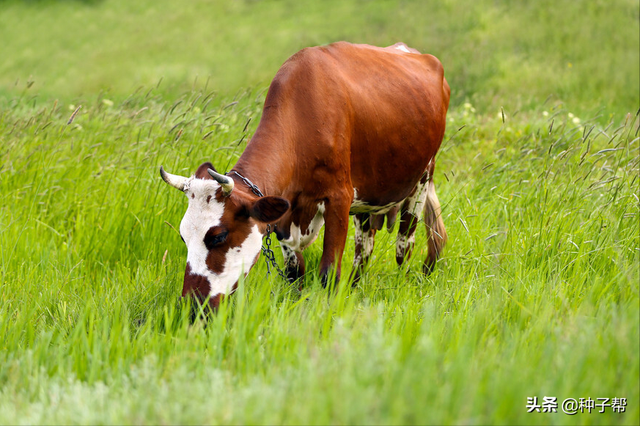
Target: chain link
<point>269,256</point>
<point>250,184</point>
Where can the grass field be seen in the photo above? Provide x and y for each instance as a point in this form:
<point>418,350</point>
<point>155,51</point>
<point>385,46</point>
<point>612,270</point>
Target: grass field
<point>536,294</point>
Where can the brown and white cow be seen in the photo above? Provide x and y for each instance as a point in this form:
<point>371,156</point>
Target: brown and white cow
<point>346,129</point>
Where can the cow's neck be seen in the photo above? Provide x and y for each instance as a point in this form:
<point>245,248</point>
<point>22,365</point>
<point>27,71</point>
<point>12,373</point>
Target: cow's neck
<point>263,163</point>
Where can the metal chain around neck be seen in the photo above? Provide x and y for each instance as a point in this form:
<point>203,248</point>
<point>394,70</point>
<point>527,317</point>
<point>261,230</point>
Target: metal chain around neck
<point>250,184</point>
<point>269,256</point>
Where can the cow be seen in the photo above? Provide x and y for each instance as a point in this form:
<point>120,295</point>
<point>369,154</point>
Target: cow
<point>346,129</point>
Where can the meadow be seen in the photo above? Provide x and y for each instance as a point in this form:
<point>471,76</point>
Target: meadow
<point>536,295</point>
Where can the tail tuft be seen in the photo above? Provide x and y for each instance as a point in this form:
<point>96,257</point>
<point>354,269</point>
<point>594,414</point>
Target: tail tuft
<point>436,232</point>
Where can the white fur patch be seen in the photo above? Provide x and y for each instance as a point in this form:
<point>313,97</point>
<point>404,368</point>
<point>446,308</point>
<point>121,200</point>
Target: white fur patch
<point>205,211</point>
<point>365,240</point>
<point>403,48</point>
<point>238,260</point>
<point>358,240</point>
<point>368,240</point>
<point>417,200</point>
<point>404,243</point>
<point>290,258</point>
<point>414,205</point>
<point>199,217</point>
<point>300,239</point>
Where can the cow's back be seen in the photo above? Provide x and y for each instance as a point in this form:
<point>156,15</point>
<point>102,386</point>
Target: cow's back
<point>360,115</point>
<point>397,106</point>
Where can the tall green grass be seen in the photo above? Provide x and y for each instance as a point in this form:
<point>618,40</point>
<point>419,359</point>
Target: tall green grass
<point>536,295</point>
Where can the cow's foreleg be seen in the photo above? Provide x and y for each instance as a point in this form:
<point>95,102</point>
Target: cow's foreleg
<point>293,262</point>
<point>364,240</point>
<point>336,219</point>
<point>409,214</point>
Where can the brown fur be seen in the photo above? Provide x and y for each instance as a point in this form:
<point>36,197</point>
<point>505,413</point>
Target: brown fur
<point>338,118</point>
<point>346,116</point>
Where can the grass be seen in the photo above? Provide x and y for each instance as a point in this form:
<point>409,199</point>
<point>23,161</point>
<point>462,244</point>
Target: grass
<point>536,295</point>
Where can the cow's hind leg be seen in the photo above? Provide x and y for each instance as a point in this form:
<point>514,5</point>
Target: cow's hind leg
<point>409,213</point>
<point>436,233</point>
<point>364,239</point>
<point>423,198</point>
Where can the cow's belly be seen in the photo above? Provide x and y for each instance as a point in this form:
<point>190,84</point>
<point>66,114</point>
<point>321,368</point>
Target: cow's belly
<point>358,206</point>
<point>362,206</point>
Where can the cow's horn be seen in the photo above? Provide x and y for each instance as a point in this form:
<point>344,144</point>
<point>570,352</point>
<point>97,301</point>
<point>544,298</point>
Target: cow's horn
<point>225,181</point>
<point>176,181</point>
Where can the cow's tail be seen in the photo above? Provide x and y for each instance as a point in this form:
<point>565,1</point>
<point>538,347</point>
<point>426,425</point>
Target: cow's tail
<point>436,232</point>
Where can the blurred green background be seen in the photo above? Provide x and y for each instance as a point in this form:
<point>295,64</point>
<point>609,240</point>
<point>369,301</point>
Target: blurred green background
<point>496,52</point>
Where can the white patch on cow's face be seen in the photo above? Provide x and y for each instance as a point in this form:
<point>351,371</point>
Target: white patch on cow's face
<point>204,212</point>
<point>403,48</point>
<point>238,260</point>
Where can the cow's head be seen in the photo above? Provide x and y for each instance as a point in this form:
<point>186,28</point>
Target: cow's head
<point>222,229</point>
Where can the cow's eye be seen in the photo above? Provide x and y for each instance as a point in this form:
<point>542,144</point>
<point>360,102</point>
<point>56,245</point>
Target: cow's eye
<point>214,238</point>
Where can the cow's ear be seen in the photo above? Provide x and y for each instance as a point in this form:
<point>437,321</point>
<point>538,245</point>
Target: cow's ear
<point>202,173</point>
<point>269,209</point>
